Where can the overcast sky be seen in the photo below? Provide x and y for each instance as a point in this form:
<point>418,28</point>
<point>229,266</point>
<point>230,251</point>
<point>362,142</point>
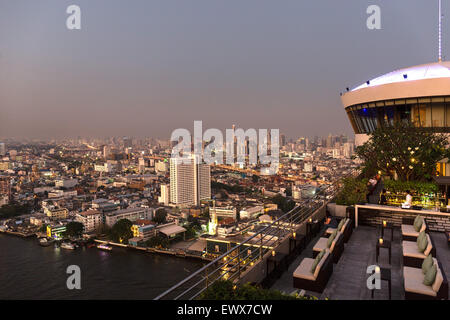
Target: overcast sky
<point>147,67</point>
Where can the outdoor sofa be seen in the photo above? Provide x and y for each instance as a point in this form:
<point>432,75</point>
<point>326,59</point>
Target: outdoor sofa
<point>316,281</point>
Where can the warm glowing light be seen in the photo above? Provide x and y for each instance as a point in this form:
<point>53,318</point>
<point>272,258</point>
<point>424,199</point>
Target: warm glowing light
<point>381,240</point>
<point>294,235</point>
<point>384,223</point>
<point>273,253</point>
<point>377,269</point>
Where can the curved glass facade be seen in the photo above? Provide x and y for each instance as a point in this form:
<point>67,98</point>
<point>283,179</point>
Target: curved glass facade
<point>432,113</point>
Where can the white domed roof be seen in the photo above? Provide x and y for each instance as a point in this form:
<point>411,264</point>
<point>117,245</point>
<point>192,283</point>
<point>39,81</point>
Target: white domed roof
<point>425,71</point>
<point>427,80</point>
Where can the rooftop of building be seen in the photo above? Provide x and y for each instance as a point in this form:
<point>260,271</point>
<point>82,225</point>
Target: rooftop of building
<point>349,277</point>
<point>89,213</point>
<point>420,72</point>
<point>426,80</point>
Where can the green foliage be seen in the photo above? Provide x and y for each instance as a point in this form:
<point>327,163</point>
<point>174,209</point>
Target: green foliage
<point>121,231</point>
<point>160,216</point>
<point>229,188</point>
<point>353,192</point>
<point>417,186</point>
<point>405,149</point>
<point>283,204</point>
<point>194,222</point>
<point>223,290</point>
<point>191,232</point>
<point>13,210</point>
<point>157,242</point>
<point>74,229</point>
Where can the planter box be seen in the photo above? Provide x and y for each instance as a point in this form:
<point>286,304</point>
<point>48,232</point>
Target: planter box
<point>337,210</point>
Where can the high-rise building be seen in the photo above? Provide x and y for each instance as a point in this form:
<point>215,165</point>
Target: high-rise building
<point>419,95</point>
<point>189,182</point>
<point>2,149</point>
<point>165,194</point>
<point>5,190</point>
<point>106,152</point>
<point>127,142</point>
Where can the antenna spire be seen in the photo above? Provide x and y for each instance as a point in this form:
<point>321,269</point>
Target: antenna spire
<point>440,30</point>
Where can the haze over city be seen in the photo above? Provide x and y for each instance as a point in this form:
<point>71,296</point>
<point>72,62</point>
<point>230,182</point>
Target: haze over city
<point>148,67</point>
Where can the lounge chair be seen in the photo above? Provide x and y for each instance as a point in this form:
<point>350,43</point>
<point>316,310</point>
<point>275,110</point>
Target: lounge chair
<point>304,279</point>
<point>346,229</point>
<point>336,248</point>
<point>415,289</point>
<point>412,257</point>
<point>408,231</point>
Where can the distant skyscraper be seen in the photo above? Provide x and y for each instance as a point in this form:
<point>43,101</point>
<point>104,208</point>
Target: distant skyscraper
<point>283,140</point>
<point>106,152</point>
<point>127,142</point>
<point>2,149</point>
<point>189,182</point>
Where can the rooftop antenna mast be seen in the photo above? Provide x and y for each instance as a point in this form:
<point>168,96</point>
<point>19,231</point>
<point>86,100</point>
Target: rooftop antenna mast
<point>440,30</point>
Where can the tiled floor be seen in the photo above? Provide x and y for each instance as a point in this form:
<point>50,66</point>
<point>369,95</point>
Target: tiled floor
<point>348,281</point>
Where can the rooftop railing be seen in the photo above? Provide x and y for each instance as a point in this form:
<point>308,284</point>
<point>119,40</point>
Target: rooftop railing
<point>240,259</point>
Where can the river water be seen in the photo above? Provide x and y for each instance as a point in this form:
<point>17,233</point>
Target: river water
<point>29,271</point>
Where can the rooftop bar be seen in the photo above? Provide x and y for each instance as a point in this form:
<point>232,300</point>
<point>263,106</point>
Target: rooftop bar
<point>374,214</point>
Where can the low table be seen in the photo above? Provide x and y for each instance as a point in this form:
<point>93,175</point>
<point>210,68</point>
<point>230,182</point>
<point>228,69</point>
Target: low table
<point>296,244</point>
<point>312,228</point>
<point>387,245</point>
<point>278,262</point>
<point>388,226</point>
<point>386,276</point>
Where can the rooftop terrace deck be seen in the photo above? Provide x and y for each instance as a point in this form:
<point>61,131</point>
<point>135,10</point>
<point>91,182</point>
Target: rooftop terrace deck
<point>348,281</point>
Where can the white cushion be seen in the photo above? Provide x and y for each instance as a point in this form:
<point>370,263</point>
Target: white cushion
<point>439,278</point>
<point>410,249</point>
<point>333,244</point>
<point>429,246</point>
<point>303,271</point>
<point>408,230</point>
<point>345,225</point>
<point>330,230</point>
<point>414,282</point>
<point>424,226</point>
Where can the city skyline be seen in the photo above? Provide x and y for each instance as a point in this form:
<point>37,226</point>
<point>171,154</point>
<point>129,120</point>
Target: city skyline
<point>154,67</point>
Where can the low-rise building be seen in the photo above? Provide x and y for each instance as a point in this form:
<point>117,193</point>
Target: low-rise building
<point>131,214</point>
<point>66,183</point>
<point>251,212</point>
<point>91,219</point>
<point>56,213</point>
<point>223,212</point>
<point>56,231</point>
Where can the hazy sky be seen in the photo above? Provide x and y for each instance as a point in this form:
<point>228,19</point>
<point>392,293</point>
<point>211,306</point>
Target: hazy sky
<point>147,67</point>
